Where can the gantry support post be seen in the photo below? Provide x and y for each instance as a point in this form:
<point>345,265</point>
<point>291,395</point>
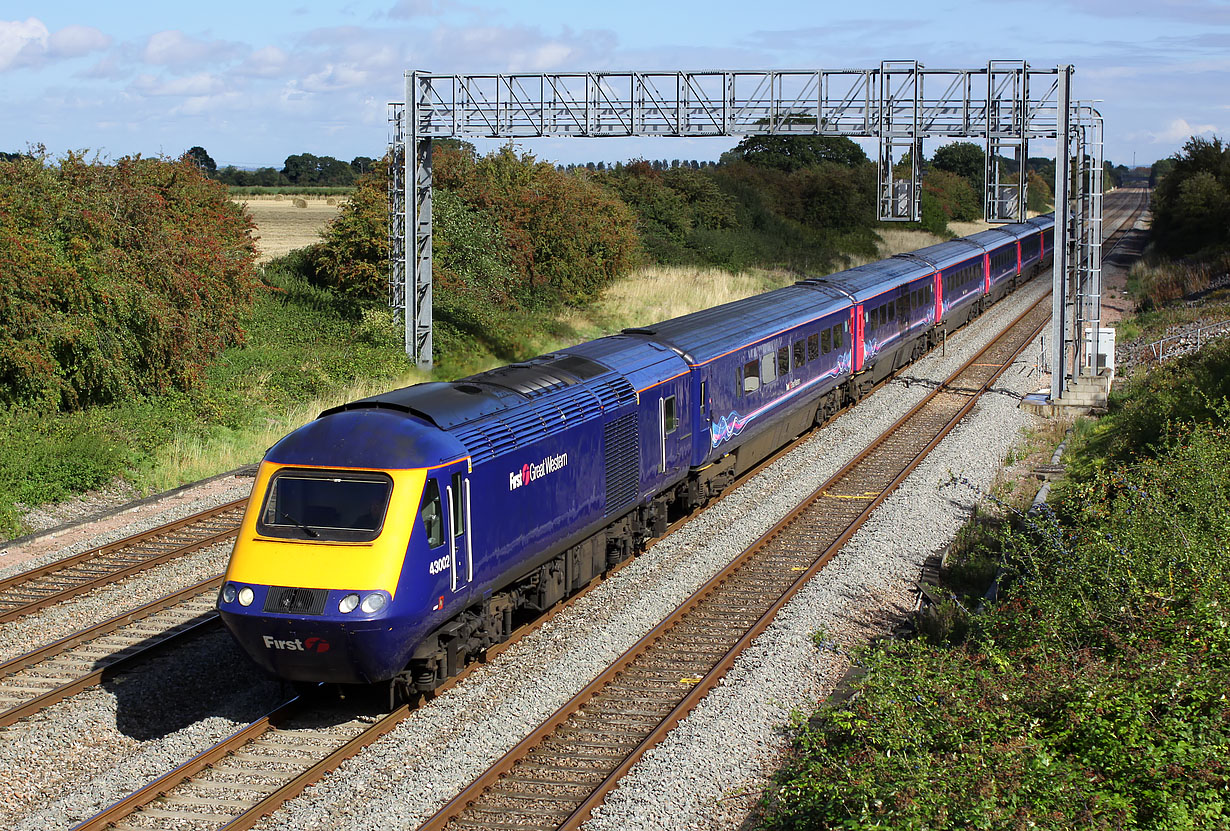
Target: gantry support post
<point>418,201</point>
<point>1059,263</point>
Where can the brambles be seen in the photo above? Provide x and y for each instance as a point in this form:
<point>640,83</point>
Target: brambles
<point>115,280</point>
<point>1093,694</point>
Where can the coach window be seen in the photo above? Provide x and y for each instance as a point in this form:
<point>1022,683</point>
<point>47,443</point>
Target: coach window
<point>838,331</point>
<point>826,341</point>
<point>813,347</point>
<point>800,354</point>
<point>751,376</point>
<point>768,368</point>
<point>668,415</point>
<point>455,502</point>
<point>783,361</point>
<point>432,515</point>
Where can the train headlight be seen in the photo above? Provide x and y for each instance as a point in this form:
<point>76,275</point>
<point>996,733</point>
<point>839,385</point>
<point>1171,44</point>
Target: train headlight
<point>374,603</point>
<point>348,603</point>
<point>246,596</point>
<point>229,593</point>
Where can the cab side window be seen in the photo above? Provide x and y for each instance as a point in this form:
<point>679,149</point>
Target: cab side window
<point>751,376</point>
<point>432,514</point>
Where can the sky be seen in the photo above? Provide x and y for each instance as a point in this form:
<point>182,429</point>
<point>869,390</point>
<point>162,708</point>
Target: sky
<point>254,82</point>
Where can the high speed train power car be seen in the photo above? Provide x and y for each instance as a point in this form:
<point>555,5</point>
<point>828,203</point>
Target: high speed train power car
<point>394,538</point>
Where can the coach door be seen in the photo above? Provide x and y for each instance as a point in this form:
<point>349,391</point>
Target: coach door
<point>673,436</point>
<point>460,538</point>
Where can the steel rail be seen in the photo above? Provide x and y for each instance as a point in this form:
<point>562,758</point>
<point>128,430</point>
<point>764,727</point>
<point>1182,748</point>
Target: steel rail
<point>127,650</point>
<point>164,786</point>
<point>64,579</point>
<point>504,773</point>
<point>295,709</point>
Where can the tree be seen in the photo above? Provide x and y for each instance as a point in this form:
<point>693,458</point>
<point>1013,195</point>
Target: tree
<point>791,153</point>
<point>965,159</point>
<point>362,164</point>
<point>1191,210</point>
<point>201,159</point>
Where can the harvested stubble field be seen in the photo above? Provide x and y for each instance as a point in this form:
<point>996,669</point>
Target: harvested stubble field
<point>284,223</point>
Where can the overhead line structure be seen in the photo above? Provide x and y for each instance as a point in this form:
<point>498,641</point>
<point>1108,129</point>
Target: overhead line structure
<point>1004,104</point>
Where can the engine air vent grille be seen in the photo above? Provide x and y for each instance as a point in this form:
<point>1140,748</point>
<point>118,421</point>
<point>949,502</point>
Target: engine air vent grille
<point>621,451</point>
<point>289,601</point>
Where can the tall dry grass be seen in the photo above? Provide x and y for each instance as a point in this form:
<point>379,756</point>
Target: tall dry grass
<point>190,457</point>
<point>897,241</point>
<point>1163,282</point>
<point>656,293</point>
<point>964,229</point>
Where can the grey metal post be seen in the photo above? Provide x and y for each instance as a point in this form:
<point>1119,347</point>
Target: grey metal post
<point>418,199</point>
<point>1059,263</point>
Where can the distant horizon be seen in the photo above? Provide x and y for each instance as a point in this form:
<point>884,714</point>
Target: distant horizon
<point>294,78</point>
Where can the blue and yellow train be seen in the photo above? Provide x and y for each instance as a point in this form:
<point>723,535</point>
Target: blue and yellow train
<point>397,537</point>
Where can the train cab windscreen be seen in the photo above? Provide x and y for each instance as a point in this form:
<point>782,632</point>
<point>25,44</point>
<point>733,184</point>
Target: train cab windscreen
<point>330,506</point>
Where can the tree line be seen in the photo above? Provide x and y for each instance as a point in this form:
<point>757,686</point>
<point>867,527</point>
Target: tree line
<point>303,169</point>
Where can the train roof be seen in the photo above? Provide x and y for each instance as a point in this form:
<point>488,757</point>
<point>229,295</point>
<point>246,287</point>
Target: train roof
<point>377,438</point>
<point>945,254</point>
<point>710,333</point>
<point>1000,236</point>
<point>522,403</point>
<point>866,281</point>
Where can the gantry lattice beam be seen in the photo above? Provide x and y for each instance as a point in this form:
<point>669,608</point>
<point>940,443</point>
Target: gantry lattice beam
<point>1004,104</point>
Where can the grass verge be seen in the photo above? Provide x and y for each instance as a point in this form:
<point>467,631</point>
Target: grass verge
<point>308,349</point>
<point>1093,694</point>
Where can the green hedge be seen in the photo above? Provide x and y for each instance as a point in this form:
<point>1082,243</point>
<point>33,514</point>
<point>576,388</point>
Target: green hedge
<point>115,279</point>
<point>1094,694</point>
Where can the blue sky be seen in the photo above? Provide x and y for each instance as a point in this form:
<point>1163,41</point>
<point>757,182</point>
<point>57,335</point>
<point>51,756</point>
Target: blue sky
<point>254,82</point>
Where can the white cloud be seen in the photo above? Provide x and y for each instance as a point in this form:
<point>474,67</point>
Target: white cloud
<point>267,62</point>
<point>1180,130</point>
<point>30,43</point>
<point>21,42</point>
<point>335,77</point>
<point>224,103</point>
<point>172,48</point>
<point>75,41</point>
<point>202,83</point>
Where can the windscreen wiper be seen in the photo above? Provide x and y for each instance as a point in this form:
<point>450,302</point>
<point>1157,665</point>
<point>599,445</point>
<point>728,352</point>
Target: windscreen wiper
<point>299,525</point>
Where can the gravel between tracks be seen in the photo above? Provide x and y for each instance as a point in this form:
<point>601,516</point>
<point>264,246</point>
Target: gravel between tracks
<point>734,739</point>
<point>699,778</point>
<point>76,757</point>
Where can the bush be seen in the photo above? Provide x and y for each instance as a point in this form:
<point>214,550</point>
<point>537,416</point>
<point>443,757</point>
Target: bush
<point>115,280</point>
<point>1092,696</point>
<point>566,236</point>
<point>1191,207</point>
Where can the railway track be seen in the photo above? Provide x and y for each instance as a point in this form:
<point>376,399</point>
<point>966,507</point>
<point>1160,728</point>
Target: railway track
<point>616,718</point>
<point>64,579</point>
<point>40,678</point>
<point>261,766</point>
<point>556,776</point>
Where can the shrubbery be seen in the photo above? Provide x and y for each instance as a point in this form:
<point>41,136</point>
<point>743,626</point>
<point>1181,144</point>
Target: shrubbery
<point>1191,206</point>
<point>511,235</point>
<point>1093,695</point>
<point>115,280</point>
